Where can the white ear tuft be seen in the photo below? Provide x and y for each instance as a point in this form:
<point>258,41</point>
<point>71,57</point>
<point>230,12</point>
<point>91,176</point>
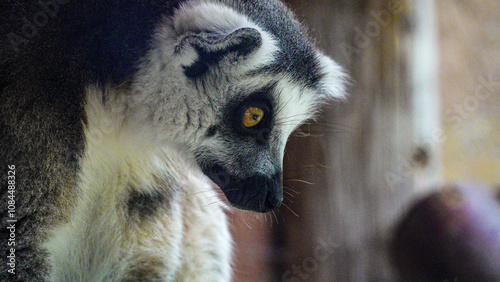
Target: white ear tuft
<point>198,17</point>
<point>333,82</point>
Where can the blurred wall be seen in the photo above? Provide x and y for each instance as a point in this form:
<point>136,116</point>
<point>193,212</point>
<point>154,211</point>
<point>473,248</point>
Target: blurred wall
<point>340,205</point>
<point>470,90</point>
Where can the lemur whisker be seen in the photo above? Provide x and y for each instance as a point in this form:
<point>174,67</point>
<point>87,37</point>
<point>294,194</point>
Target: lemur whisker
<point>276,217</point>
<point>212,203</point>
<point>288,188</point>
<point>245,222</point>
<point>299,176</point>
<point>300,180</point>
<point>286,206</point>
<point>293,116</point>
<point>321,165</point>
<point>208,190</point>
<point>283,106</point>
<point>282,217</point>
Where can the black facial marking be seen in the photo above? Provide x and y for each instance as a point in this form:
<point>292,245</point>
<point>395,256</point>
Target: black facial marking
<point>217,174</point>
<point>263,136</point>
<point>197,69</point>
<point>241,43</point>
<point>188,117</point>
<point>297,55</point>
<point>211,131</point>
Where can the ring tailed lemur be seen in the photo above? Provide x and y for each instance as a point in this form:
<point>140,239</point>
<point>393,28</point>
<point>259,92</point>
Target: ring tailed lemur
<point>118,116</point>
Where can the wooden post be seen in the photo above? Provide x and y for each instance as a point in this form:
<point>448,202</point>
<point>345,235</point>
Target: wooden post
<point>370,156</point>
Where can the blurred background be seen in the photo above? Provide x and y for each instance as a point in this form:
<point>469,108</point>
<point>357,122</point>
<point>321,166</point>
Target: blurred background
<point>423,112</point>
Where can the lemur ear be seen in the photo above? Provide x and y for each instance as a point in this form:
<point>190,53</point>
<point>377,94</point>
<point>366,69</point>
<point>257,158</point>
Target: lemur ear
<point>212,47</point>
<point>333,82</point>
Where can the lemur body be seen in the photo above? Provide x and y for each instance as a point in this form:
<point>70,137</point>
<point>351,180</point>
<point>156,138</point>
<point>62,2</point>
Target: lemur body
<point>120,116</point>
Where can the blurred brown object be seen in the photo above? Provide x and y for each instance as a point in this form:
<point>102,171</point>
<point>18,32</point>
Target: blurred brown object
<point>452,234</point>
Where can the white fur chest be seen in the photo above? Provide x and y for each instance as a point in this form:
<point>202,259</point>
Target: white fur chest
<point>143,211</point>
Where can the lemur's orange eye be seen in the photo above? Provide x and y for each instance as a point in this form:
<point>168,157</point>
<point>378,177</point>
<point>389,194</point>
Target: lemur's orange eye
<point>252,117</point>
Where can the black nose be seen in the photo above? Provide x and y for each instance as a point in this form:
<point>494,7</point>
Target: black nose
<point>273,200</point>
<point>260,193</point>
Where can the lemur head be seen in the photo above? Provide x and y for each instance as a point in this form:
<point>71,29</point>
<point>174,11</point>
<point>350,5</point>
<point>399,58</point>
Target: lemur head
<point>230,82</point>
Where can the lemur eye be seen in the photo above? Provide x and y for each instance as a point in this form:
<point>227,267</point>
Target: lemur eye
<point>252,116</point>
